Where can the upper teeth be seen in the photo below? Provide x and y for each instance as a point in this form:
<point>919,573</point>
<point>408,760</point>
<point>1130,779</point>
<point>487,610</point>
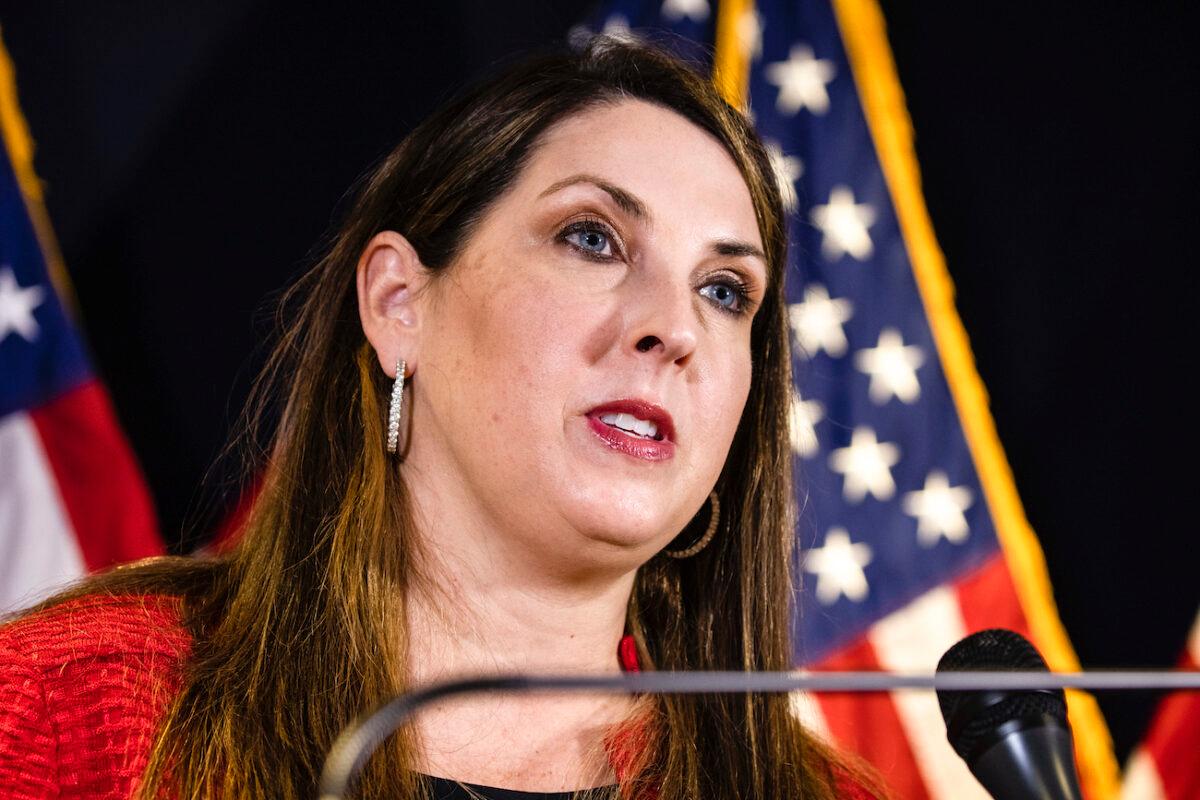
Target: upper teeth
<point>628,422</point>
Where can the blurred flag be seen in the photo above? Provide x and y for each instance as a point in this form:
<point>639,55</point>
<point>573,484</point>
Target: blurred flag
<point>71,496</point>
<point>911,530</point>
<point>1166,766</point>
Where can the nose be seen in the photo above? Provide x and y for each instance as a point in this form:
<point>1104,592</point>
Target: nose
<point>664,325</point>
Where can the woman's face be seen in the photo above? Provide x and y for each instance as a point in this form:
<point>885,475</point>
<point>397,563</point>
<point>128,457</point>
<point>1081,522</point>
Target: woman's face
<point>584,363</point>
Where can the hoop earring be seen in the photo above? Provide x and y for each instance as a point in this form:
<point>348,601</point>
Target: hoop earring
<point>395,407</point>
<point>714,519</point>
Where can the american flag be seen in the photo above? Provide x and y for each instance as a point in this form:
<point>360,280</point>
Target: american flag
<point>911,531</point>
<point>1166,765</point>
<point>72,498</point>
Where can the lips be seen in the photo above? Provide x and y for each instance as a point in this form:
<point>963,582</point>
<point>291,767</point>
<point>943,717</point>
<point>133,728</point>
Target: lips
<point>634,427</point>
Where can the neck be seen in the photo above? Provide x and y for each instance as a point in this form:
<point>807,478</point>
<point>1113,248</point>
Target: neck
<point>483,602</point>
<point>481,608</point>
<point>502,590</point>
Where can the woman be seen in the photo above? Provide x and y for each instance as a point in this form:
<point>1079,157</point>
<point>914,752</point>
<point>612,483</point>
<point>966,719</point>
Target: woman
<point>559,301</point>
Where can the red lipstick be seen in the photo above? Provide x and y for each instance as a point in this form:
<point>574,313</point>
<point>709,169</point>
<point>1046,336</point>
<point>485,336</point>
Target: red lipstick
<point>659,448</point>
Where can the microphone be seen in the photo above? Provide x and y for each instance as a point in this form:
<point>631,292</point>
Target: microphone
<point>1016,743</point>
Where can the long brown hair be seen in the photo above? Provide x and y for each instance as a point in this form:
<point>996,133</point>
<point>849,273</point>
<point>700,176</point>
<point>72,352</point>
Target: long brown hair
<point>295,630</point>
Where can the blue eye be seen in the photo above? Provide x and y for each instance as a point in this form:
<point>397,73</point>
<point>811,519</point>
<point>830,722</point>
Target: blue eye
<point>589,238</point>
<point>728,296</point>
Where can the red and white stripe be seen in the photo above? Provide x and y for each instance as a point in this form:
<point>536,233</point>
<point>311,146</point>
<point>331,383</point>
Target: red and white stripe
<point>902,734</point>
<point>72,498</point>
<point>38,550</point>
<point>1166,766</point>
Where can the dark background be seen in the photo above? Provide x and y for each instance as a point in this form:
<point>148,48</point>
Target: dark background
<point>194,153</point>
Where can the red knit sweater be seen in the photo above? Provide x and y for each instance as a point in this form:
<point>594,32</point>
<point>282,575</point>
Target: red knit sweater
<point>83,687</point>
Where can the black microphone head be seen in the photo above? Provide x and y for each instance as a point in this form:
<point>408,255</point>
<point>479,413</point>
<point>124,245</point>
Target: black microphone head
<point>973,718</point>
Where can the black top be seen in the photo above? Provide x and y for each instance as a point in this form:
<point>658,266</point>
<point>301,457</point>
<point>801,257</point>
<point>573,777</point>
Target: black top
<point>443,789</point>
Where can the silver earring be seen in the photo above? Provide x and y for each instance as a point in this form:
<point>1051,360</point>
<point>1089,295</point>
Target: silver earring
<point>395,407</point>
<point>714,519</point>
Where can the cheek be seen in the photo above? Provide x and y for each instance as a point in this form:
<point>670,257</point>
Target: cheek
<point>524,344</point>
<point>725,399</point>
<point>552,320</point>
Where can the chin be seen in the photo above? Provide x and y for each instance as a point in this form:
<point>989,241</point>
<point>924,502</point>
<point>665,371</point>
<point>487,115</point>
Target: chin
<point>628,526</point>
<point>635,513</point>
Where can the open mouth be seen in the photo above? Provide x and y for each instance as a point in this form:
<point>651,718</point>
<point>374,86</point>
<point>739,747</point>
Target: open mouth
<point>632,425</point>
<point>636,418</point>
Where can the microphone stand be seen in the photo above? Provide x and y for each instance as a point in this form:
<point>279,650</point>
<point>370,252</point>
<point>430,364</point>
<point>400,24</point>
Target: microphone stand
<point>358,741</point>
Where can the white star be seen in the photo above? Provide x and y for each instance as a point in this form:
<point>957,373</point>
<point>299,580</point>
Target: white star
<point>839,567</point>
<point>750,33</point>
<point>817,322</point>
<point>844,225</point>
<point>16,306</point>
<point>866,464</point>
<point>695,10</point>
<point>939,510</point>
<point>801,81</point>
<point>788,170</point>
<point>805,414</point>
<point>893,368</point>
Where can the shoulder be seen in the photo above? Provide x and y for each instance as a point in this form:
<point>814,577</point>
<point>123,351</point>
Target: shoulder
<point>97,626</point>
<point>87,644</point>
<point>83,686</point>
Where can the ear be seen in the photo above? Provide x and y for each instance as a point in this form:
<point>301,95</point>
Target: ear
<point>390,279</point>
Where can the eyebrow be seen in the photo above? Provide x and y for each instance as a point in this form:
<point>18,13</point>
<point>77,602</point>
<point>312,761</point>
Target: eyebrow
<point>733,248</point>
<point>736,248</point>
<point>624,200</point>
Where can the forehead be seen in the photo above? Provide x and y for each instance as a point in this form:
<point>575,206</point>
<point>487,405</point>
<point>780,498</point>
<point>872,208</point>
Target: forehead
<point>675,167</point>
